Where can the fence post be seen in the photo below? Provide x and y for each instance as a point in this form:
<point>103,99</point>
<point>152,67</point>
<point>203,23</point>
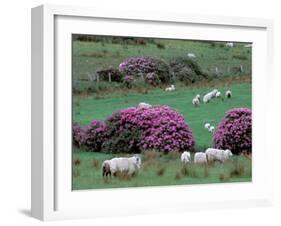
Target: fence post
<point>217,70</point>
<point>241,68</point>
<point>98,78</point>
<point>109,77</point>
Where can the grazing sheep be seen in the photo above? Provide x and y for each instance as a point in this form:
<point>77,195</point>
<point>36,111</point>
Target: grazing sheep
<point>207,97</point>
<point>106,168</point>
<point>185,157</point>
<point>200,158</point>
<point>214,92</point>
<point>218,94</point>
<point>191,55</point>
<point>144,105</point>
<point>195,101</point>
<point>122,164</point>
<point>207,125</point>
<point>228,94</point>
<point>218,154</point>
<point>210,95</point>
<point>211,129</point>
<point>229,44</point>
<point>198,97</point>
<point>171,88</point>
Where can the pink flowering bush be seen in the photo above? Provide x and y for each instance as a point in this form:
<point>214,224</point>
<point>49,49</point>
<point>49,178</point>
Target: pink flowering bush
<point>94,135</point>
<point>90,137</point>
<point>141,66</point>
<point>77,135</point>
<point>128,81</point>
<point>235,131</point>
<point>152,79</point>
<point>158,128</point>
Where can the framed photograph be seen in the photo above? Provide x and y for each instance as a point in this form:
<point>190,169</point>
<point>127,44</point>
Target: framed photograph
<point>137,112</point>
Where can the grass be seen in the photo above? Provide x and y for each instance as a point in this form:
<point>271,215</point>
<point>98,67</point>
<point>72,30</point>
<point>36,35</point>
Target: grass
<point>88,57</point>
<point>87,109</point>
<point>162,170</point>
<point>159,169</point>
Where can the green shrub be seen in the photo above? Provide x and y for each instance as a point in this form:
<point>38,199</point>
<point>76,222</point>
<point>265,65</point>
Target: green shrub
<point>240,57</point>
<point>115,74</point>
<point>187,70</point>
<point>120,142</point>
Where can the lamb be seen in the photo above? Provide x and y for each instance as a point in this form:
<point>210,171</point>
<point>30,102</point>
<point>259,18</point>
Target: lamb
<point>210,95</point>
<point>198,97</point>
<point>144,105</point>
<point>200,158</point>
<point>228,94</point>
<point>211,129</point>
<point>185,157</point>
<point>191,55</point>
<point>214,92</point>
<point>195,101</point>
<point>207,125</point>
<point>218,94</point>
<point>171,88</point>
<point>218,154</point>
<point>207,97</point>
<point>229,44</point>
<point>124,165</point>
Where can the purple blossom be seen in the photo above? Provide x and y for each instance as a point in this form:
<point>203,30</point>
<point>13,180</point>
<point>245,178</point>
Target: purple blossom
<point>235,131</point>
<point>161,128</point>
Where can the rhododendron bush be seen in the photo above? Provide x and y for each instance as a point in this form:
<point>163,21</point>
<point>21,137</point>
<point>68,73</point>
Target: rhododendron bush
<point>235,131</point>
<point>141,66</point>
<point>91,137</point>
<point>77,135</point>
<point>159,128</point>
<point>133,129</point>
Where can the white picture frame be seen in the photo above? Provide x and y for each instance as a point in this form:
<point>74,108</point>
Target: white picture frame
<point>52,197</point>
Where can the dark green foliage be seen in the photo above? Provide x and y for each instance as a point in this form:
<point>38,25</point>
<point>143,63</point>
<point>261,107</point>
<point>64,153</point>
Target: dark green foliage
<point>240,57</point>
<point>187,70</point>
<point>116,75</point>
<point>160,45</point>
<point>120,142</point>
<point>163,71</point>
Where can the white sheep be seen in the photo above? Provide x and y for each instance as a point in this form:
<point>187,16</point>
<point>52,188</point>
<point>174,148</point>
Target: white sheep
<point>170,88</point>
<point>228,94</point>
<point>210,95</point>
<point>214,154</point>
<point>185,157</point>
<point>229,44</point>
<point>211,129</point>
<point>214,92</point>
<point>124,165</point>
<point>191,55</point>
<point>144,105</point>
<point>207,125</point>
<point>218,94</point>
<point>198,97</point>
<point>195,101</point>
<point>207,97</point>
<point>200,158</point>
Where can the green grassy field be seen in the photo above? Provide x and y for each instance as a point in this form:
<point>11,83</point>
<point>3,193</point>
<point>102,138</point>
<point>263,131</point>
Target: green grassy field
<point>90,56</point>
<point>87,109</point>
<point>87,173</point>
<point>159,169</point>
